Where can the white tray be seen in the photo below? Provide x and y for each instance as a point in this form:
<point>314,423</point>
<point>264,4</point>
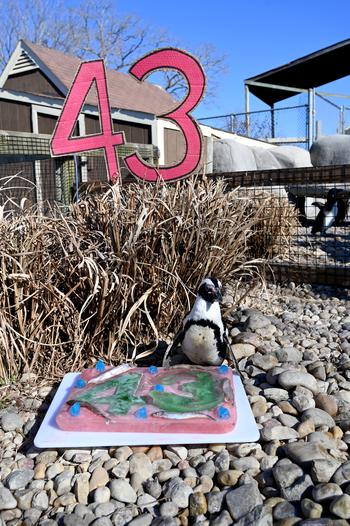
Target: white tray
<point>50,436</point>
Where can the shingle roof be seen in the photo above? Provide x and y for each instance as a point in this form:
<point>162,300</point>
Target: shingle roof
<point>125,92</point>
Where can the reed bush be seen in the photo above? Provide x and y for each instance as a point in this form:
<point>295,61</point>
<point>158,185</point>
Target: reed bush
<point>119,269</point>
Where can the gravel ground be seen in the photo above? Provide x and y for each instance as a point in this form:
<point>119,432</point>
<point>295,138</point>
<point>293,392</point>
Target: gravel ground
<point>293,346</point>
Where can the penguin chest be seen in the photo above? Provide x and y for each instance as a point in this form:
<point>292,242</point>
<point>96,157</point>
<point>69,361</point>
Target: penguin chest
<point>201,346</point>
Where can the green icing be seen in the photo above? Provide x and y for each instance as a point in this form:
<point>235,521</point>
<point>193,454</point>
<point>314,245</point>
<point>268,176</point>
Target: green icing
<point>205,392</point>
<point>121,400</point>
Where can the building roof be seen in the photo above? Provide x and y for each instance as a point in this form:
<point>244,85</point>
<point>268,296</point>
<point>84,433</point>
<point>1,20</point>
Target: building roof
<point>125,92</point>
<point>313,70</point>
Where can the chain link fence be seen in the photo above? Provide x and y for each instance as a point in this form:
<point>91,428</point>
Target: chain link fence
<point>287,125</point>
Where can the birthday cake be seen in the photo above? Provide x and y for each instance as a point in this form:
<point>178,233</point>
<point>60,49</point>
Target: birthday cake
<point>179,399</point>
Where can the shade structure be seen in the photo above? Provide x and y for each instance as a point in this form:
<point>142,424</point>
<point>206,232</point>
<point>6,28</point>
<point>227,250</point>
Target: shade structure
<point>313,70</point>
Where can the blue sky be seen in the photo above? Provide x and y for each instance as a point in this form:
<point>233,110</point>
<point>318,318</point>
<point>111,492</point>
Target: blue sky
<point>256,35</point>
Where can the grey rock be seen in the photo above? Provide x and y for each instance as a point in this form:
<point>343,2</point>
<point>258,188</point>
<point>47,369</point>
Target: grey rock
<point>146,502</point>
<point>231,156</point>
<point>18,479</point>
<point>63,482</point>
<point>340,506</point>
<point>40,500</point>
<point>10,421</point>
<point>303,453</point>
<point>7,501</point>
<point>330,149</point>
<point>284,510</point>
<point>342,474</point>
<point>73,520</point>
<point>140,463</point>
<point>122,491</point>
<point>246,463</point>
<point>222,461</point>
<point>286,473</point>
<point>208,469</point>
<point>102,521</point>
<point>142,520</point>
<point>122,516</point>
<point>323,470</point>
<point>273,430</point>
<point>243,500</point>
<point>323,439</point>
<point>215,501</point>
<point>104,509</point>
<point>178,492</point>
<point>296,491</point>
<point>319,417</point>
<point>292,379</point>
<point>302,403</point>
<point>32,516</point>
<point>259,516</point>
<point>121,470</point>
<point>289,354</point>
<point>102,495</point>
<point>224,519</point>
<point>153,487</point>
<point>326,491</point>
<point>163,476</point>
<point>168,509</point>
<point>24,498</point>
<point>275,394</point>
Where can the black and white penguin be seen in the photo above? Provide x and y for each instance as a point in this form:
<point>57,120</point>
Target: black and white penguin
<point>203,338</point>
<point>328,213</point>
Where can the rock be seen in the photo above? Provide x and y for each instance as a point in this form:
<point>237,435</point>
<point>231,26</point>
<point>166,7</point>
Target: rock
<point>18,479</point>
<point>39,471</point>
<point>24,498</point>
<point>141,464</point>
<point>99,478</point>
<point>292,379</point>
<point>296,491</point>
<point>102,495</point>
<point>40,500</point>
<point>198,504</point>
<point>231,156</point>
<point>289,354</point>
<point>207,468</point>
<point>306,427</point>
<point>242,500</point>
<point>259,516</point>
<point>122,491</point>
<point>322,470</point>
<point>180,451</point>
<point>324,439</point>
<point>246,464</point>
<point>283,510</point>
<point>273,430</point>
<point>215,501</point>
<point>264,362</point>
<point>275,394</point>
<point>163,476</point>
<point>303,453</point>
<point>153,487</point>
<point>310,509</point>
<point>342,474</point>
<point>104,508</point>
<point>222,461</point>
<point>340,506</point>
<point>62,483</point>
<point>121,470</point>
<point>82,488</point>
<point>326,491</point>
<point>122,516</point>
<point>155,453</point>
<point>259,408</point>
<point>330,149</point>
<point>327,402</point>
<point>242,350</point>
<point>286,473</point>
<point>228,477</point>
<point>319,417</point>
<point>178,492</point>
<point>168,509</point>
<point>224,519</point>
<point>248,338</point>
<point>302,403</point>
<point>54,470</point>
<point>7,501</point>
<point>11,421</point>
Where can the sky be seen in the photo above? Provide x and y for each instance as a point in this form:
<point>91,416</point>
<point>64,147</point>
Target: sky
<point>255,35</point>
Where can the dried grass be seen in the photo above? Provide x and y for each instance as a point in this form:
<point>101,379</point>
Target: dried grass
<point>120,269</point>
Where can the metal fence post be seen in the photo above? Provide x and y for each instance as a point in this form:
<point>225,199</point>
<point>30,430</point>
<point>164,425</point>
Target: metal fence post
<point>311,116</point>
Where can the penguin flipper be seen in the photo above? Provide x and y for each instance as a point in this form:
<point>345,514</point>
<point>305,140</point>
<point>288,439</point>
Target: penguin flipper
<point>172,347</point>
<point>231,354</point>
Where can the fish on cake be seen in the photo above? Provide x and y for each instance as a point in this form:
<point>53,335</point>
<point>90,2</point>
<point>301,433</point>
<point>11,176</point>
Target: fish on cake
<point>203,338</point>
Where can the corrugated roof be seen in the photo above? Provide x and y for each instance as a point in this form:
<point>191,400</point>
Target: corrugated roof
<point>125,92</point>
<point>313,70</point>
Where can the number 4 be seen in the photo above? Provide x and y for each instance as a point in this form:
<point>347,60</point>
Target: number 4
<point>62,141</point>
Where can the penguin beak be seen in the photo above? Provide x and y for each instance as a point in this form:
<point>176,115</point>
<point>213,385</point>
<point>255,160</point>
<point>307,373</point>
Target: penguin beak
<point>214,293</point>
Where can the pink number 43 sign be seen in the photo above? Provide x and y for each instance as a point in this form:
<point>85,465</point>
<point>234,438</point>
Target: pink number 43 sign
<point>63,143</point>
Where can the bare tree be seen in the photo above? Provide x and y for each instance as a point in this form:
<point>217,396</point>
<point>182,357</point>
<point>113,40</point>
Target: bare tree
<point>95,29</point>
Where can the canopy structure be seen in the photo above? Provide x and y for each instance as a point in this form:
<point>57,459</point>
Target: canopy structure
<point>303,74</point>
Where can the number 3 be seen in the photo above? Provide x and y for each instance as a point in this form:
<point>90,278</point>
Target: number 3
<point>194,75</point>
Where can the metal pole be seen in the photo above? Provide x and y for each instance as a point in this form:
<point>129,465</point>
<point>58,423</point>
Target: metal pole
<point>341,120</point>
<point>76,178</point>
<point>272,121</point>
<point>247,120</point>
<point>311,116</point>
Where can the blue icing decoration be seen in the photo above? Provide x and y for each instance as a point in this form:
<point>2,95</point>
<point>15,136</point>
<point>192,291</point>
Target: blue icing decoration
<point>158,387</point>
<point>100,366</point>
<point>75,409</point>
<point>141,413</point>
<point>153,369</point>
<point>223,412</point>
<point>80,383</point>
<point>223,369</point>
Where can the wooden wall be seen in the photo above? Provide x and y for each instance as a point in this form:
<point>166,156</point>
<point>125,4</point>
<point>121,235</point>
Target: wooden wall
<point>32,82</point>
<point>15,116</point>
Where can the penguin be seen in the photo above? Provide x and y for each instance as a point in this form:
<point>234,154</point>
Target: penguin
<point>203,337</point>
<point>328,213</point>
